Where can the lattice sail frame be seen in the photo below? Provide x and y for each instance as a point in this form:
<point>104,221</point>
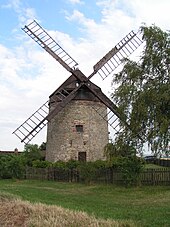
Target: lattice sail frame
<point>108,64</point>
<point>37,121</point>
<point>40,36</point>
<point>115,56</point>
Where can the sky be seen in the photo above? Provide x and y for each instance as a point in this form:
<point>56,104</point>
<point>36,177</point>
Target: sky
<point>86,29</point>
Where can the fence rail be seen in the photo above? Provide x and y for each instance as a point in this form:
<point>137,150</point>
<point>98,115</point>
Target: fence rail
<point>109,176</point>
<point>155,176</point>
<point>163,162</point>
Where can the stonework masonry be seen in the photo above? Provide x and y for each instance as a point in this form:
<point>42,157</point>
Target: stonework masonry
<point>64,142</point>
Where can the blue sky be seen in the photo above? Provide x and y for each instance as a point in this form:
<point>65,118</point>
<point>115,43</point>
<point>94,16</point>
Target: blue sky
<point>49,12</point>
<point>86,29</point>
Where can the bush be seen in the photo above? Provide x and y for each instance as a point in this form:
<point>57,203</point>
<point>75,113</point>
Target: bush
<point>4,167</point>
<point>87,171</point>
<point>72,164</point>
<point>12,166</point>
<point>100,164</point>
<point>41,164</point>
<point>131,168</point>
<point>31,153</point>
<point>60,165</point>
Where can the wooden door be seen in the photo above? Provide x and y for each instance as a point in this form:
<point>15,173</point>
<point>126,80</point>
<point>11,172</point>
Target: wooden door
<point>82,156</point>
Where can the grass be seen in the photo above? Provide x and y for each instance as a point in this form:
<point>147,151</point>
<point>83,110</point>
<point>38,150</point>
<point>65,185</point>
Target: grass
<point>154,166</point>
<point>146,206</point>
<point>15,212</point>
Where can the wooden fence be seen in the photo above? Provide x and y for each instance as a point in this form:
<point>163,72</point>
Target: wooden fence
<point>108,176</point>
<point>163,162</point>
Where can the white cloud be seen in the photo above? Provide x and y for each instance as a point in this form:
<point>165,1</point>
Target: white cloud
<point>25,15</point>
<point>136,11</point>
<point>27,78</point>
<point>11,4</point>
<point>118,18</point>
<point>76,1</point>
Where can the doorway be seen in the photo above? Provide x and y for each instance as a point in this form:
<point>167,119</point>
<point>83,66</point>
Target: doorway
<point>82,156</point>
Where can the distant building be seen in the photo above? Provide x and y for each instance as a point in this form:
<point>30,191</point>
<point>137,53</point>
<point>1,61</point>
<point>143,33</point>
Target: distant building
<point>15,151</point>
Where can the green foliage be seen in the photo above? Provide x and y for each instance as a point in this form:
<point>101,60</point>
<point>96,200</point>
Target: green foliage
<point>131,167</point>
<point>100,164</point>
<point>116,162</point>
<point>42,147</point>
<point>32,153</point>
<point>110,151</point>
<point>72,164</point>
<point>12,166</point>
<point>122,156</point>
<point>17,166</point>
<point>143,92</point>
<point>87,171</point>
<point>41,164</point>
<point>4,166</point>
<point>119,148</point>
<point>60,165</point>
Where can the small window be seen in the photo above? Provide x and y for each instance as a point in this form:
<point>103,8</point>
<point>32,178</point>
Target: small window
<point>79,128</point>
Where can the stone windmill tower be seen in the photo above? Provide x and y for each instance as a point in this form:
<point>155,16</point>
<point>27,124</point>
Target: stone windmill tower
<point>77,114</point>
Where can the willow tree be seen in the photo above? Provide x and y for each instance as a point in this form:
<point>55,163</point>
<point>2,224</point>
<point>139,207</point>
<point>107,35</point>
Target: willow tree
<point>143,92</point>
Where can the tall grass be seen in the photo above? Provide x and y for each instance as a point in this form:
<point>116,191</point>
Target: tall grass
<point>15,212</point>
<point>148,206</point>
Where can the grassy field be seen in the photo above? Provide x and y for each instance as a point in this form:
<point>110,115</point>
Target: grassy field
<point>154,166</point>
<point>17,213</point>
<point>148,206</point>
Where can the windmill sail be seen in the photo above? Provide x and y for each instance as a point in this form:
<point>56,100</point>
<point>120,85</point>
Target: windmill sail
<point>33,125</point>
<point>115,56</point>
<point>39,35</point>
<point>38,120</point>
<point>112,119</point>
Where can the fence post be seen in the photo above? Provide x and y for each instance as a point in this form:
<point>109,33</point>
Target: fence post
<point>111,175</point>
<point>25,173</point>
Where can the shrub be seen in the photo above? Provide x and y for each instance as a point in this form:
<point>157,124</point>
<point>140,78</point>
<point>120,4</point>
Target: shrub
<point>72,164</point>
<point>4,166</point>
<point>87,171</point>
<point>100,164</point>
<point>32,153</point>
<point>41,164</point>
<point>131,168</point>
<point>12,166</point>
<point>60,165</point>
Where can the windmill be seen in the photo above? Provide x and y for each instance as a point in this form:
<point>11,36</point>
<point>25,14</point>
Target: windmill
<point>77,113</point>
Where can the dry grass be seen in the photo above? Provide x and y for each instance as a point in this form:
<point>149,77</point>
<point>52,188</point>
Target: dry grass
<point>15,212</point>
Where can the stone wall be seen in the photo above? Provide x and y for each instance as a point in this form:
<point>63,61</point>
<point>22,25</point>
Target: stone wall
<point>63,140</point>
